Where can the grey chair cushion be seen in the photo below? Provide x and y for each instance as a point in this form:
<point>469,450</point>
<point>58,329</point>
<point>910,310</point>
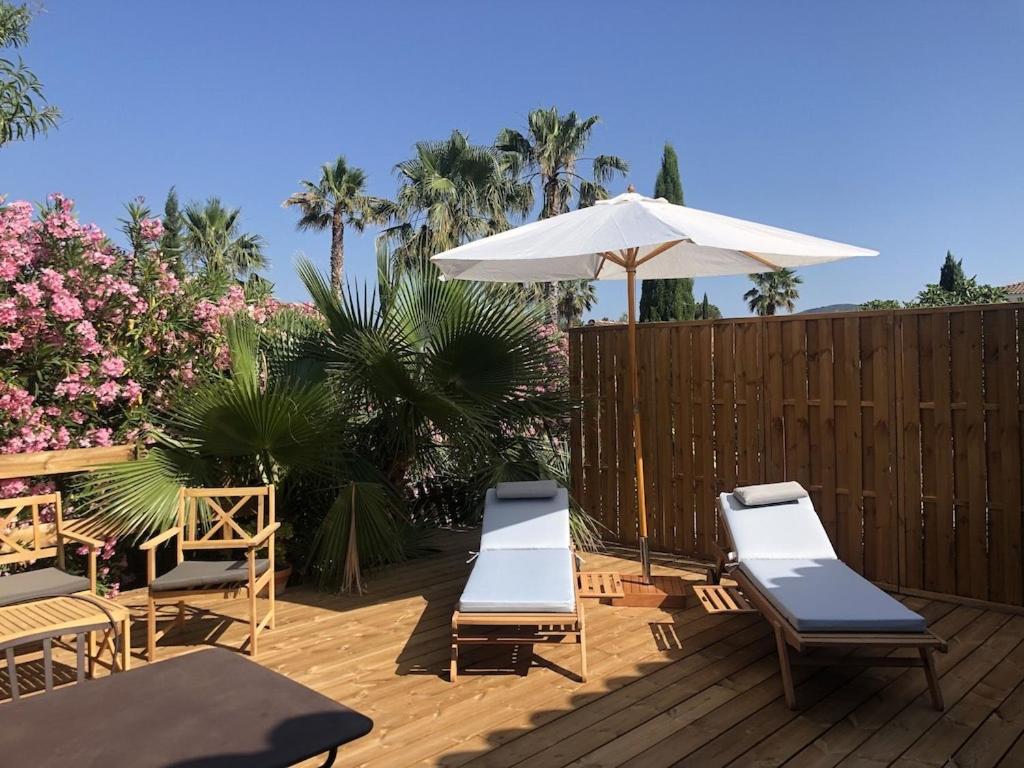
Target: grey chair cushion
<point>44,582</point>
<point>521,581</point>
<point>827,596</point>
<point>526,523</point>
<point>527,489</point>
<point>789,530</point>
<point>193,574</point>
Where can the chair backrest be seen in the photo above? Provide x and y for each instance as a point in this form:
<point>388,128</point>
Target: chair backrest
<point>526,523</point>
<point>790,530</point>
<point>223,518</point>
<point>28,528</point>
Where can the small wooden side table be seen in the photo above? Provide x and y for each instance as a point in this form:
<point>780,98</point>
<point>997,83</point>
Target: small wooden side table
<point>53,617</point>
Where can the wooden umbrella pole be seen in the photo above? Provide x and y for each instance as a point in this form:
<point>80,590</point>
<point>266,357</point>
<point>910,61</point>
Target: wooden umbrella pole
<point>638,444</point>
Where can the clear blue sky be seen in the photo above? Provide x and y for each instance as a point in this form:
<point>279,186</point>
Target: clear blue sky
<point>894,125</point>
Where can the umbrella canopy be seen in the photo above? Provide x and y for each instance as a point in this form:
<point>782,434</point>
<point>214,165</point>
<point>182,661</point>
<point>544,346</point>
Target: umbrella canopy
<point>672,241</point>
<point>630,237</point>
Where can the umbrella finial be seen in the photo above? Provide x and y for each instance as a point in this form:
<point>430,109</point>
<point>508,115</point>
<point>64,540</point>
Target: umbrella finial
<point>630,188</point>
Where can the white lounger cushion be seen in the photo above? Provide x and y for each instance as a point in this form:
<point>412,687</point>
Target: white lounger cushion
<point>526,523</point>
<point>521,581</point>
<point>827,596</point>
<point>787,531</point>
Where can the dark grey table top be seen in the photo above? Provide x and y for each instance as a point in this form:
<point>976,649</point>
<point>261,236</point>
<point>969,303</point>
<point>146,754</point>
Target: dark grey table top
<point>209,709</point>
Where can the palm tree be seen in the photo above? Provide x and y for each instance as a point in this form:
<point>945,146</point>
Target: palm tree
<point>450,192</point>
<point>549,153</point>
<point>574,298</point>
<point>773,290</point>
<point>337,200</point>
<point>213,243</point>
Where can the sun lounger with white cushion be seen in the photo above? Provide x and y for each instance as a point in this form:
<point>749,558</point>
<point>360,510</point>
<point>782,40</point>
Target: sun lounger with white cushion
<point>523,586</point>
<point>786,566</point>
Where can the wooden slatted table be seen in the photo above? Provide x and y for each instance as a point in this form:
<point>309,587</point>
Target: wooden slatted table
<point>599,584</point>
<point>719,598</point>
<point>50,618</point>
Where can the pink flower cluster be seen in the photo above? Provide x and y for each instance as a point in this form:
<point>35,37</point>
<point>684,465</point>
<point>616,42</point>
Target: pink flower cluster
<point>93,338</point>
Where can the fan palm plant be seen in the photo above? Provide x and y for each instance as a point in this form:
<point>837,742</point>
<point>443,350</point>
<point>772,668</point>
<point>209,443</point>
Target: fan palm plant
<point>438,372</point>
<point>773,291</point>
<point>451,192</point>
<point>338,199</point>
<point>262,422</point>
<point>213,243</point>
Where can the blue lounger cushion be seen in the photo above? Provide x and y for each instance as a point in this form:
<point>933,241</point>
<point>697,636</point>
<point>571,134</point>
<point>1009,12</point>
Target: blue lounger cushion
<point>785,552</point>
<point>829,596</point>
<point>521,581</point>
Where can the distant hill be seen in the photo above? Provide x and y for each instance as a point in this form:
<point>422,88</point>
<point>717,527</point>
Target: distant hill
<point>831,308</point>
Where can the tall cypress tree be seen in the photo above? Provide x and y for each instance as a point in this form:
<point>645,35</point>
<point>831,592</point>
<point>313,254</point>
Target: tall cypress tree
<point>668,299</point>
<point>951,276</point>
<point>171,242</point>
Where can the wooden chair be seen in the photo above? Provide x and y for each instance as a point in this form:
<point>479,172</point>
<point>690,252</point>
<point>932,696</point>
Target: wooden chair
<point>26,538</point>
<point>208,519</point>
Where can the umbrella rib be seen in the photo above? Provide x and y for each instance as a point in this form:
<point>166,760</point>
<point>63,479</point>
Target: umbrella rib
<point>659,250</point>
<point>774,267</point>
<point>614,259</point>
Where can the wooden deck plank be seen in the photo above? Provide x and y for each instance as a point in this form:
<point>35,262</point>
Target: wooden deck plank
<point>997,734</point>
<point>959,722</point>
<point>666,688</point>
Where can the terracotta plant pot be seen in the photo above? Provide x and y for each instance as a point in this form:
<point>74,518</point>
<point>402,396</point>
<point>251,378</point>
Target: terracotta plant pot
<point>281,576</point>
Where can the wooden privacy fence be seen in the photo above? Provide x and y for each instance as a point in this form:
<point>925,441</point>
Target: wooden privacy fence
<point>905,426</point>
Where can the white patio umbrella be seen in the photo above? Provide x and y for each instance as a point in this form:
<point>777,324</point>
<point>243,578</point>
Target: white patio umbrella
<point>630,237</point>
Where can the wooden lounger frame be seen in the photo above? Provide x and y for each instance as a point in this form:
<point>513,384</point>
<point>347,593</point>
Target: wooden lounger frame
<point>224,532</point>
<point>787,636</point>
<point>521,628</point>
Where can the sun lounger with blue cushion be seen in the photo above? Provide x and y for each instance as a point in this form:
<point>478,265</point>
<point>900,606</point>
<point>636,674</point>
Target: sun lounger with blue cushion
<point>523,586</point>
<point>786,567</point>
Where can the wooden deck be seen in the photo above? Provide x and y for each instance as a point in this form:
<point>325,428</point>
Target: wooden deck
<point>666,688</point>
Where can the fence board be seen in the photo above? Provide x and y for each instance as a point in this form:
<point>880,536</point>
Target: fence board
<point>906,426</point>
<point>608,489</point>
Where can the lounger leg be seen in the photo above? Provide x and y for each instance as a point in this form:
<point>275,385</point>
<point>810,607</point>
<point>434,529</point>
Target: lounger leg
<point>785,668</point>
<point>931,675</point>
<point>454,669</point>
<point>151,629</point>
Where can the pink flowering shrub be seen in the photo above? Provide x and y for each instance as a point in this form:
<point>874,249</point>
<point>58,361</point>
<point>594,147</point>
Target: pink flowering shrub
<point>94,339</point>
